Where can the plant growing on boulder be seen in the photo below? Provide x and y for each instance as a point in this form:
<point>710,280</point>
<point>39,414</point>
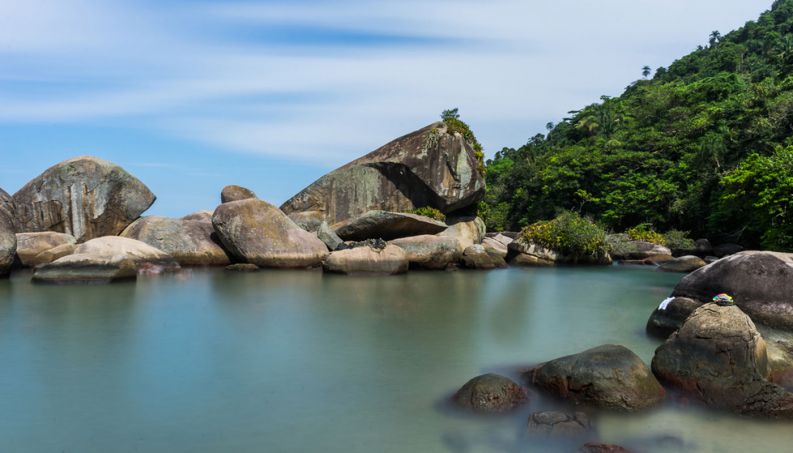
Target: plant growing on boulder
<point>570,234</point>
<point>429,211</point>
<point>645,232</point>
<point>452,119</point>
<point>679,240</point>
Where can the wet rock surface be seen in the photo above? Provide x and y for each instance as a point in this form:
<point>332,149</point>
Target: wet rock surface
<point>490,393</point>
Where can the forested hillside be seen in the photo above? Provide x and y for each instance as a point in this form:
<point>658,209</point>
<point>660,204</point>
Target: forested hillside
<point>702,146</point>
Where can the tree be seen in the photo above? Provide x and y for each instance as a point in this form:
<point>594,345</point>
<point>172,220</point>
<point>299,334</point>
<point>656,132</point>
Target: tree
<point>715,37</point>
<point>646,71</point>
<point>451,114</point>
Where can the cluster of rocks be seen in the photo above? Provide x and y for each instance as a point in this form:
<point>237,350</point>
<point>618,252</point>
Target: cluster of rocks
<point>636,252</point>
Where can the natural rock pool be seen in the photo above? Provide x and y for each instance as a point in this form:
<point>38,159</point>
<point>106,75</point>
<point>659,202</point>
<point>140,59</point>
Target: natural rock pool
<point>209,360</point>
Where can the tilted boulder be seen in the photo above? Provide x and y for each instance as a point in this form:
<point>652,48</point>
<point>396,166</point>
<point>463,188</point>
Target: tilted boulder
<point>429,167</point>
<point>326,234</point>
<point>52,254</point>
<point>8,240</point>
<point>257,232</point>
<point>490,393</point>
<point>688,263</point>
<point>189,242</point>
<point>387,225</point>
<point>467,231</point>
<point>719,357</point>
<point>86,197</point>
<point>362,260</point>
<point>608,376</point>
<point>235,193</point>
<point>30,245</point>
<point>760,282</point>
<point>105,259</point>
<point>428,251</point>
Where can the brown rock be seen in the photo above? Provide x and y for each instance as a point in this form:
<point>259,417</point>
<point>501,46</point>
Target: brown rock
<point>52,254</point>
<point>490,393</point>
<point>428,251</point>
<point>235,193</point>
<point>389,260</point>
<point>189,242</point>
<point>30,245</point>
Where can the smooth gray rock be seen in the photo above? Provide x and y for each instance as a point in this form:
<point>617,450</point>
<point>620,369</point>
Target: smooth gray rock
<point>428,251</point>
<point>235,193</point>
<point>86,197</point>
<point>189,242</point>
<point>386,225</point>
<point>624,248</point>
<point>684,264</point>
<point>477,257</point>
<point>467,231</point>
<point>326,234</point>
<point>367,260</point>
<point>490,393</point>
<point>429,167</point>
<point>665,321</point>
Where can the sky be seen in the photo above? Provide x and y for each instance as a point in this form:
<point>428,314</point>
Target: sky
<point>190,96</point>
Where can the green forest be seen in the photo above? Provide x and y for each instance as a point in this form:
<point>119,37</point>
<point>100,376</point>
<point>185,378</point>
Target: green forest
<point>704,146</point>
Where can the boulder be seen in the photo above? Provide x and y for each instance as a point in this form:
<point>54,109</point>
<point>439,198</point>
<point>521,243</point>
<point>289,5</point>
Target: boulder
<point>257,232</point>
<point>608,376</point>
<point>387,225</point>
<point>502,238</point>
<point>389,260</point>
<point>206,216</point>
<point>105,259</point>
<point>477,257</point>
<point>52,254</point>
<point>235,193</point>
<point>669,316</point>
<point>523,253</point>
<point>86,197</point>
<point>30,245</point>
<point>688,263</point>
<point>326,234</point>
<point>242,267</point>
<point>189,242</point>
<point>496,248</point>
<point>490,393</point>
<point>559,424</point>
<point>8,240</point>
<point>760,282</point>
<point>428,251</point>
<point>467,231</point>
<point>723,250</point>
<point>719,357</point>
<point>430,167</point>
<point>624,248</point>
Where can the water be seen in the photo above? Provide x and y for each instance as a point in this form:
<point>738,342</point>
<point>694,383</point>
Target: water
<point>282,361</point>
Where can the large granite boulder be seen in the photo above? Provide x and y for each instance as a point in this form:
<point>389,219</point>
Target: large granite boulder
<point>477,256</point>
<point>327,235</point>
<point>608,376</point>
<point>257,232</point>
<point>683,264</point>
<point>104,260</point>
<point>30,245</point>
<point>363,260</point>
<point>428,251</point>
<point>189,242</point>
<point>387,225</point>
<point>719,357</point>
<point>760,282</point>
<point>235,193</point>
<point>429,167</point>
<point>8,240</point>
<point>490,393</point>
<point>86,197</point>
<point>467,231</point>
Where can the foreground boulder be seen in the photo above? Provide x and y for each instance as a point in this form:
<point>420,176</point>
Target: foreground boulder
<point>387,225</point>
<point>429,167</point>
<point>30,245</point>
<point>490,393</point>
<point>467,231</point>
<point>105,259</point>
<point>235,193</point>
<point>760,282</point>
<point>86,197</point>
<point>608,376</point>
<point>688,263</point>
<point>189,242</point>
<point>428,251</point>
<point>257,232</point>
<point>8,240</point>
<point>719,357</point>
<point>360,260</point>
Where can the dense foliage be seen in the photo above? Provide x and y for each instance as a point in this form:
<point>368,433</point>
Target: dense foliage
<point>428,211</point>
<point>569,234</point>
<point>701,146</point>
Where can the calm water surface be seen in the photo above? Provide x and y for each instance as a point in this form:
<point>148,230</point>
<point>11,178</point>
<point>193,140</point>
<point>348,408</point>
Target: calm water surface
<point>280,361</point>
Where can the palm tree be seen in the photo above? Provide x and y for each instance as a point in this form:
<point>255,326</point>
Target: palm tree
<point>646,71</point>
<point>715,37</point>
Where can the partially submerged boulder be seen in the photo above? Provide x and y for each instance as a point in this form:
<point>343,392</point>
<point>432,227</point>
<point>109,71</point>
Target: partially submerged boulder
<point>86,197</point>
<point>556,424</point>
<point>8,240</point>
<point>257,232</point>
<point>360,260</point>
<point>235,193</point>
<point>242,267</point>
<point>760,282</point>
<point>608,376</point>
<point>623,248</point>
<point>477,257</point>
<point>387,225</point>
<point>30,245</point>
<point>719,357</point>
<point>685,264</point>
<point>490,393</point>
<point>105,259</point>
<point>189,242</point>
<point>428,251</point>
<point>430,167</point>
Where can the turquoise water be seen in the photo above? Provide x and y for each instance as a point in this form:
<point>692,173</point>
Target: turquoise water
<point>281,361</point>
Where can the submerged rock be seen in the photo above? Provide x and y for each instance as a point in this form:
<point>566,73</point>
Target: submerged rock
<point>594,447</point>
<point>235,193</point>
<point>429,167</point>
<point>86,197</point>
<point>490,393</point>
<point>242,267</point>
<point>608,376</point>
<point>428,251</point>
<point>688,263</point>
<point>257,232</point>
<point>105,259</point>
<point>389,260</point>
<point>189,242</point>
<point>8,240</point>
<point>30,245</point>
<point>387,225</point>
<point>557,424</point>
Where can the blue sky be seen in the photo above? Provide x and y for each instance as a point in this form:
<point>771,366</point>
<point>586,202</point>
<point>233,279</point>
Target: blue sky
<point>192,95</point>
